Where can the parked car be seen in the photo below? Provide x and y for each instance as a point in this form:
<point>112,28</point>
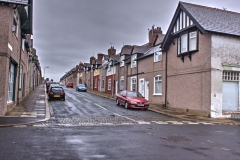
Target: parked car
<point>48,85</point>
<point>131,99</point>
<point>69,84</point>
<point>56,92</point>
<point>81,88</point>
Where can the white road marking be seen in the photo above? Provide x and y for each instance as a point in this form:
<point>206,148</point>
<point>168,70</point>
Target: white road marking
<point>175,122</point>
<point>124,117</point>
<point>189,122</point>
<point>86,100</point>
<point>100,106</point>
<point>142,122</point>
<point>160,122</point>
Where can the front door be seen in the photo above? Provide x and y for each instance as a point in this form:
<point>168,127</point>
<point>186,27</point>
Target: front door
<point>230,96</point>
<point>146,90</point>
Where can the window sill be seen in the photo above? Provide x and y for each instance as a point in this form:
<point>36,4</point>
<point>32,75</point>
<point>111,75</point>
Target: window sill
<point>186,53</point>
<point>157,94</point>
<point>157,61</point>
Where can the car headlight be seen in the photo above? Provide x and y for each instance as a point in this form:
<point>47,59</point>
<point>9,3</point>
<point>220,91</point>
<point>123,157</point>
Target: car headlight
<point>132,102</point>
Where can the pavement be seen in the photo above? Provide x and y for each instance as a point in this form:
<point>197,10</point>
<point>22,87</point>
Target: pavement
<point>34,108</point>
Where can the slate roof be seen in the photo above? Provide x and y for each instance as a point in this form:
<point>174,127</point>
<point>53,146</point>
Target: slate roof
<point>98,61</point>
<point>126,50</point>
<point>115,57</point>
<point>140,49</point>
<point>215,20</point>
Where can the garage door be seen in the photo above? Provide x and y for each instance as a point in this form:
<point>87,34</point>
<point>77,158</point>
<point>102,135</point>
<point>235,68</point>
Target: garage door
<point>230,96</point>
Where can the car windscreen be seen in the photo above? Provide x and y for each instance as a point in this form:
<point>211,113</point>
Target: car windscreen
<point>81,85</point>
<point>57,89</point>
<point>134,94</point>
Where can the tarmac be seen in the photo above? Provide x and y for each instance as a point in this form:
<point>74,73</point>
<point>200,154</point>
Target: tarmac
<point>34,108</point>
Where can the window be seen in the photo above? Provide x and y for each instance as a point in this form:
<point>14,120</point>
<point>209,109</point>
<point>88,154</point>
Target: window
<point>121,61</point>
<point>11,83</point>
<point>109,67</point>
<point>133,83</point>
<point>15,23</point>
<point>231,76</point>
<point>184,43</point>
<point>133,61</point>
<point>158,85</point>
<point>192,41</point>
<point>109,84</point>
<point>20,78</point>
<point>187,42</point>
<point>23,44</point>
<point>157,54</point>
<point>122,83</point>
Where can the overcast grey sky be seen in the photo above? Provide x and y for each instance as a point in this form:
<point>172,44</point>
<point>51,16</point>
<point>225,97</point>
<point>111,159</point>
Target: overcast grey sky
<point>66,32</point>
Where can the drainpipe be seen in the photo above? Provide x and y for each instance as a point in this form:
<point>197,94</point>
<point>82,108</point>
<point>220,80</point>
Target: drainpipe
<point>166,80</point>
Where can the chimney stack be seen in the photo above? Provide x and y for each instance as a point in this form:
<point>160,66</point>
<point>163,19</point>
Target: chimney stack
<point>100,56</point>
<point>153,33</point>
<point>111,51</point>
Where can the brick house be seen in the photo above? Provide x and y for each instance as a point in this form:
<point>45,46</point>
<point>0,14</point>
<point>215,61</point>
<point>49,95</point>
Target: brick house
<point>151,72</point>
<point>122,70</point>
<point>202,45</point>
<point>15,24</point>
<point>96,73</point>
<point>103,73</point>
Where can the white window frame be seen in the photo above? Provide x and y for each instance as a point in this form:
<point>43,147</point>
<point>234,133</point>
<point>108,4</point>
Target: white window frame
<point>192,40</point>
<point>154,83</point>
<point>187,47</point>
<point>157,54</point>
<point>11,83</point>
<point>109,84</point>
<point>133,61</point>
<point>134,79</point>
<point>122,61</point>
<point>122,83</point>
<point>16,21</point>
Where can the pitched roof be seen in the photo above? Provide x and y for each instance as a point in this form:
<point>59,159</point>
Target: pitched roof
<point>126,50</point>
<point>213,19</point>
<point>115,57</point>
<point>206,19</point>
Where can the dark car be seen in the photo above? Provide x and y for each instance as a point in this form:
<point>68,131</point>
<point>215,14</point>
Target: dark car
<point>81,88</point>
<point>56,92</point>
<point>131,99</point>
<point>69,84</point>
<point>48,85</point>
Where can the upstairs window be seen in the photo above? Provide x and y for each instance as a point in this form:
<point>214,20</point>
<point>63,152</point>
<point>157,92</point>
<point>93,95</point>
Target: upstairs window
<point>157,54</point>
<point>187,42</point>
<point>121,61</point>
<point>15,23</point>
<point>133,61</point>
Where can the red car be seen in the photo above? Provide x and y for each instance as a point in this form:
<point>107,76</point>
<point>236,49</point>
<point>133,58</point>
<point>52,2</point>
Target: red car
<point>131,99</point>
<point>69,84</point>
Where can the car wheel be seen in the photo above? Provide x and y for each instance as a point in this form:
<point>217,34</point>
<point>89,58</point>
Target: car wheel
<point>126,105</point>
<point>117,102</point>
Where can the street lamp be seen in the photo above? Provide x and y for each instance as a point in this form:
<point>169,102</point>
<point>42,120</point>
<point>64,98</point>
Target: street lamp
<point>44,72</point>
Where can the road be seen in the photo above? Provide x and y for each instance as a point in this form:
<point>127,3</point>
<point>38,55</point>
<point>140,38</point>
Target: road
<point>88,127</point>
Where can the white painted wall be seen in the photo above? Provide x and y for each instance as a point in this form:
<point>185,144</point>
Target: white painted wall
<point>225,51</point>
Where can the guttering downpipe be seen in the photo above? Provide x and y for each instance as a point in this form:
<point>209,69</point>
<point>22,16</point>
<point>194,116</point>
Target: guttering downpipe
<point>166,81</point>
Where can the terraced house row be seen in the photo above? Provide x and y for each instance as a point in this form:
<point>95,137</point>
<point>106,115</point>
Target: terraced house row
<point>20,70</point>
<point>194,67</point>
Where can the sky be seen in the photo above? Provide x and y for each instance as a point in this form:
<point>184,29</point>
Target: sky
<point>67,32</point>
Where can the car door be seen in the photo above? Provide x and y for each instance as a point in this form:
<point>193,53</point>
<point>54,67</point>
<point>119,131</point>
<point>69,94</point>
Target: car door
<point>120,99</point>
